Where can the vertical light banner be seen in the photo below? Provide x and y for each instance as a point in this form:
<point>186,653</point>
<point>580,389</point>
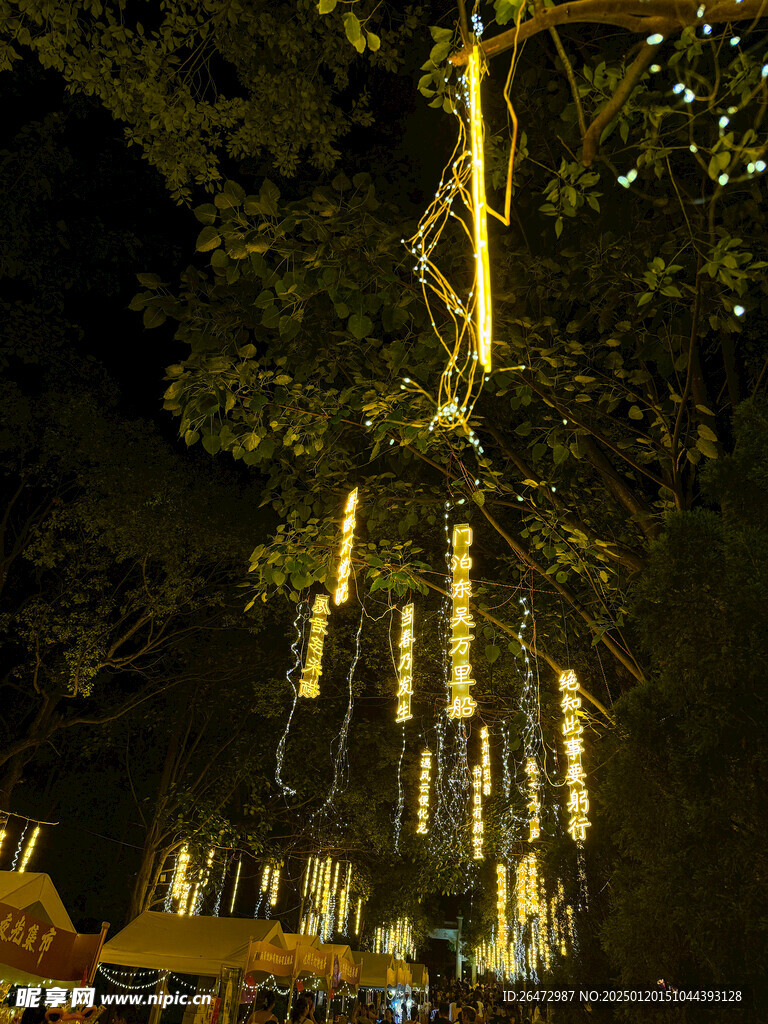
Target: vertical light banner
<point>501,904</point>
<point>578,803</point>
<point>405,668</point>
<point>274,889</point>
<point>424,780</point>
<point>237,883</point>
<point>534,801</point>
<point>345,555</point>
<point>477,812</point>
<point>310,674</point>
<point>462,624</point>
<point>479,212</point>
<point>358,915</point>
<point>485,760</point>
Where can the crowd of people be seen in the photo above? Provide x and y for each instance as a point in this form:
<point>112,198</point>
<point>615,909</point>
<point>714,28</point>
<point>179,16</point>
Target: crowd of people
<point>459,1004</point>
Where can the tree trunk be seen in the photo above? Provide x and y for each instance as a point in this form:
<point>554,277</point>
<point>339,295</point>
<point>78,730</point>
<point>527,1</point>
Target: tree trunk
<point>13,765</point>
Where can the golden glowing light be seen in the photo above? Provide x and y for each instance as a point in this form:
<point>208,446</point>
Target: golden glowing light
<point>479,211</point>
<point>462,624</point>
<point>358,915</point>
<point>274,891</point>
<point>501,903</point>
<point>345,555</point>
<point>578,802</point>
<point>477,812</point>
<point>180,886</point>
<point>405,668</point>
<point>310,674</point>
<point>424,780</point>
<point>534,801</point>
<point>237,883</point>
<point>3,829</point>
<point>29,848</point>
<point>485,760</point>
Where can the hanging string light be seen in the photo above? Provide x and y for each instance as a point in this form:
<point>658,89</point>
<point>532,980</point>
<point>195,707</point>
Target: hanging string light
<point>534,801</point>
<point>358,915</point>
<point>298,625</point>
<point>310,675</point>
<point>29,849</point>
<point>345,555</point>
<point>19,847</point>
<point>274,890</point>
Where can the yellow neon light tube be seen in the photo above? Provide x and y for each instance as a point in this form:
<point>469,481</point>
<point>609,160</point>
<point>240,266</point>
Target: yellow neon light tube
<point>480,206</point>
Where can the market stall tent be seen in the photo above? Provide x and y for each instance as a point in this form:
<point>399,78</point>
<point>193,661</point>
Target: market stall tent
<point>188,945</point>
<point>420,977</point>
<point>35,894</point>
<point>378,969</point>
<point>37,938</point>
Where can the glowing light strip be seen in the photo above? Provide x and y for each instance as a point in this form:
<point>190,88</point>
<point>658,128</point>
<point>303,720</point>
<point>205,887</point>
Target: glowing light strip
<point>462,624</point>
<point>578,804</point>
<point>310,674</point>
<point>423,812</point>
<point>485,751</point>
<point>479,207</point>
<point>237,882</point>
<point>534,801</point>
<point>477,812</point>
<point>275,887</point>
<point>345,555</point>
<point>501,903</point>
<point>358,915</point>
<point>405,668</point>
<point>29,849</point>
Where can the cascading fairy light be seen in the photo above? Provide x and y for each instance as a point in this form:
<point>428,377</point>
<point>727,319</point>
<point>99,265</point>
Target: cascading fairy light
<point>29,849</point>
<point>479,211</point>
<point>326,898</point>
<point>196,903</point>
<point>310,675</point>
<point>485,752</point>
<point>220,890</point>
<point>298,625</point>
<point>19,847</point>
<point>477,812</point>
<point>462,704</point>
<point>501,904</point>
<point>180,883</point>
<point>345,554</point>
<point>358,915</point>
<point>578,804</point>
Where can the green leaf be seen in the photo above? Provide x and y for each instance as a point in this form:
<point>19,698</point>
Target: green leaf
<point>278,577</point>
<point>326,6</point>
<point>212,443</point>
<point>352,27</point>
<point>635,412</point>
<point>360,326</point>
<point>153,317</point>
<point>479,498</point>
<point>707,447</point>
<point>707,432</point>
<point>492,653</point>
<point>374,42</point>
<point>149,280</point>
<point>208,239</point>
<point>206,214</point>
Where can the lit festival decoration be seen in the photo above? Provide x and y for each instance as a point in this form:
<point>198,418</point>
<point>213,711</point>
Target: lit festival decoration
<point>405,668</point>
<point>534,801</point>
<point>310,675</point>
<point>479,211</point>
<point>468,345</point>
<point>29,849</point>
<point>424,780</point>
<point>234,888</point>
<point>578,803</point>
<point>477,812</point>
<point>345,555</point>
<point>395,939</point>
<point>485,760</point>
<point>462,705</point>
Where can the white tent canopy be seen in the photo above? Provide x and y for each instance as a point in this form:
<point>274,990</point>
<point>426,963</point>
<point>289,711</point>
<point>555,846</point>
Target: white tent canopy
<point>188,945</point>
<point>36,894</point>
